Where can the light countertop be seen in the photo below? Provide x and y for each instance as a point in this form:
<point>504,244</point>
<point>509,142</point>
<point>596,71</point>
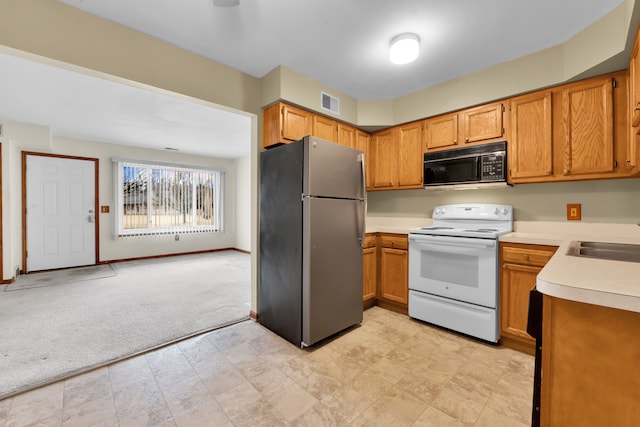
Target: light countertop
<point>614,284</point>
<point>607,283</point>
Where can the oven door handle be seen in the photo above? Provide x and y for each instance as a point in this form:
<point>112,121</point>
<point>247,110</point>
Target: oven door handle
<point>440,241</point>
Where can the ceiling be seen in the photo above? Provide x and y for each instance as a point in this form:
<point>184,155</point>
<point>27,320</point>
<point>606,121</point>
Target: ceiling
<point>344,43</point>
<point>91,108</point>
<point>341,44</point>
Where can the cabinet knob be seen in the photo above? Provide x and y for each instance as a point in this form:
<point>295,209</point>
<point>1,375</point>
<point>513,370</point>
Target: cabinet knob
<point>455,141</point>
<point>467,139</point>
<point>565,172</point>
<point>526,257</point>
<point>548,171</point>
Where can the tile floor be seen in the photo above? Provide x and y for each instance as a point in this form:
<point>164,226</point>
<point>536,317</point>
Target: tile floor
<point>390,371</point>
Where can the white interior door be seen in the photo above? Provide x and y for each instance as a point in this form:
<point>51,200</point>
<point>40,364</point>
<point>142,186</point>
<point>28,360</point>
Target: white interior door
<point>60,213</point>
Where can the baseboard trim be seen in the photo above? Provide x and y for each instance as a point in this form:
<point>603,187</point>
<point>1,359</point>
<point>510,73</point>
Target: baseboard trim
<point>111,261</point>
<point>253,315</point>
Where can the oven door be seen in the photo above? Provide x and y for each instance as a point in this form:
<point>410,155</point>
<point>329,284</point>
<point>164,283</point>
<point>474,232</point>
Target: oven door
<point>461,268</point>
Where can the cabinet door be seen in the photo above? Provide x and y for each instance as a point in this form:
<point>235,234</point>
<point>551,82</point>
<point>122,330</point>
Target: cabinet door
<point>325,128</point>
<point>384,162</point>
<point>347,135</point>
<point>362,143</point>
<point>588,127</point>
<point>393,275</point>
<point>517,281</point>
<point>441,131</point>
<point>482,123</point>
<point>634,107</point>
<point>296,123</point>
<point>410,155</point>
<point>370,261</point>
<point>531,144</point>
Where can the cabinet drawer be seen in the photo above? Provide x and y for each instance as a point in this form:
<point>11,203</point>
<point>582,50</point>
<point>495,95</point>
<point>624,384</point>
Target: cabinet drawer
<point>527,256</point>
<point>369,240</point>
<point>398,241</point>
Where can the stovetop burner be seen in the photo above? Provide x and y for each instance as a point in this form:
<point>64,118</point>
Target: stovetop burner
<point>470,220</point>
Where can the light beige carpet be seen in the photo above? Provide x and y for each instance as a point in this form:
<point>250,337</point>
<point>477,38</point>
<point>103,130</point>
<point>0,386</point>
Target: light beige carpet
<point>60,277</point>
<point>51,332</point>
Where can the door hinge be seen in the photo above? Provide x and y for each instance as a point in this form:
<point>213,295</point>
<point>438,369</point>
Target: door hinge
<point>503,108</point>
<point>503,131</point>
<point>615,83</point>
<point>615,164</point>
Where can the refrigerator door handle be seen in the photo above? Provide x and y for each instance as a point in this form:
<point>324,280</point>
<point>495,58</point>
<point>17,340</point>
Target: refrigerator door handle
<point>364,200</point>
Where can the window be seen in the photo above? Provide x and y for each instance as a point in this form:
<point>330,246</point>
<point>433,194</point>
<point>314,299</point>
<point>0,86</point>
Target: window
<point>168,199</point>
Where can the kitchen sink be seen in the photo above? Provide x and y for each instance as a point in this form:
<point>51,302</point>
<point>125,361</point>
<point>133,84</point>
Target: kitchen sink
<point>608,251</point>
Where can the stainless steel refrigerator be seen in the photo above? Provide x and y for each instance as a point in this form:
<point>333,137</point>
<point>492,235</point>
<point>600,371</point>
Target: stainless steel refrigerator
<point>312,213</point>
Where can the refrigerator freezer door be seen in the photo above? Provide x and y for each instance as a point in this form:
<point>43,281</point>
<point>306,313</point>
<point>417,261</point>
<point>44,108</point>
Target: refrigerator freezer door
<point>332,170</point>
<point>332,267</point>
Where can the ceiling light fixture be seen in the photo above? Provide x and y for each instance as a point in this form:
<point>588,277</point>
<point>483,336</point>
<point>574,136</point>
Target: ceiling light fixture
<point>404,48</point>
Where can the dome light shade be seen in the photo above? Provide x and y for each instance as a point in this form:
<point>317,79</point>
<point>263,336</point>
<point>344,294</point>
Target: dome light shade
<point>404,48</point>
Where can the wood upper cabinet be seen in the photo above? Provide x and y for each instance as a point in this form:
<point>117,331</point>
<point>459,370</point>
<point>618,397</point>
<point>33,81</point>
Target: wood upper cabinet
<point>296,123</point>
<point>384,169</point>
<point>531,143</point>
<point>520,267</point>
<point>482,123</point>
<point>588,124</point>
<point>363,143</point>
<point>396,157</point>
<point>369,270</point>
<point>325,128</point>
<point>473,125</point>
<point>410,155</point>
<point>347,136</point>
<point>441,132</point>
<point>394,282</point>
<point>282,123</point>
<point>634,106</point>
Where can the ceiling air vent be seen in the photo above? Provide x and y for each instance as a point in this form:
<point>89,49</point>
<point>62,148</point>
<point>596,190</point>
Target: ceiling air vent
<point>330,103</point>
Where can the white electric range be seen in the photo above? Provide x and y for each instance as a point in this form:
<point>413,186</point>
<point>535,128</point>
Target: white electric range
<point>453,268</point>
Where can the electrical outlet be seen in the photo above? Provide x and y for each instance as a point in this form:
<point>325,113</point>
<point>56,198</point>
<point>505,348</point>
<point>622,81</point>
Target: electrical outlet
<point>574,212</point>
<point>104,209</point>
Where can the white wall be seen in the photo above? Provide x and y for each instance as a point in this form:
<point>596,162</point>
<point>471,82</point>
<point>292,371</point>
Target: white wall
<point>243,203</point>
<point>20,137</point>
<point>611,201</point>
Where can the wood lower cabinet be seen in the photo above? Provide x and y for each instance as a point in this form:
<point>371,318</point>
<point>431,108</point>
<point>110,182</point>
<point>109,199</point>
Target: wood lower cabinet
<point>590,355</point>
<point>520,266</point>
<point>369,271</point>
<point>393,290</point>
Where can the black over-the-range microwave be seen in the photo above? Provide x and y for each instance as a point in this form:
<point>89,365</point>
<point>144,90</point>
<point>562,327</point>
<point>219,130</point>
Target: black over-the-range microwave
<point>477,164</point>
